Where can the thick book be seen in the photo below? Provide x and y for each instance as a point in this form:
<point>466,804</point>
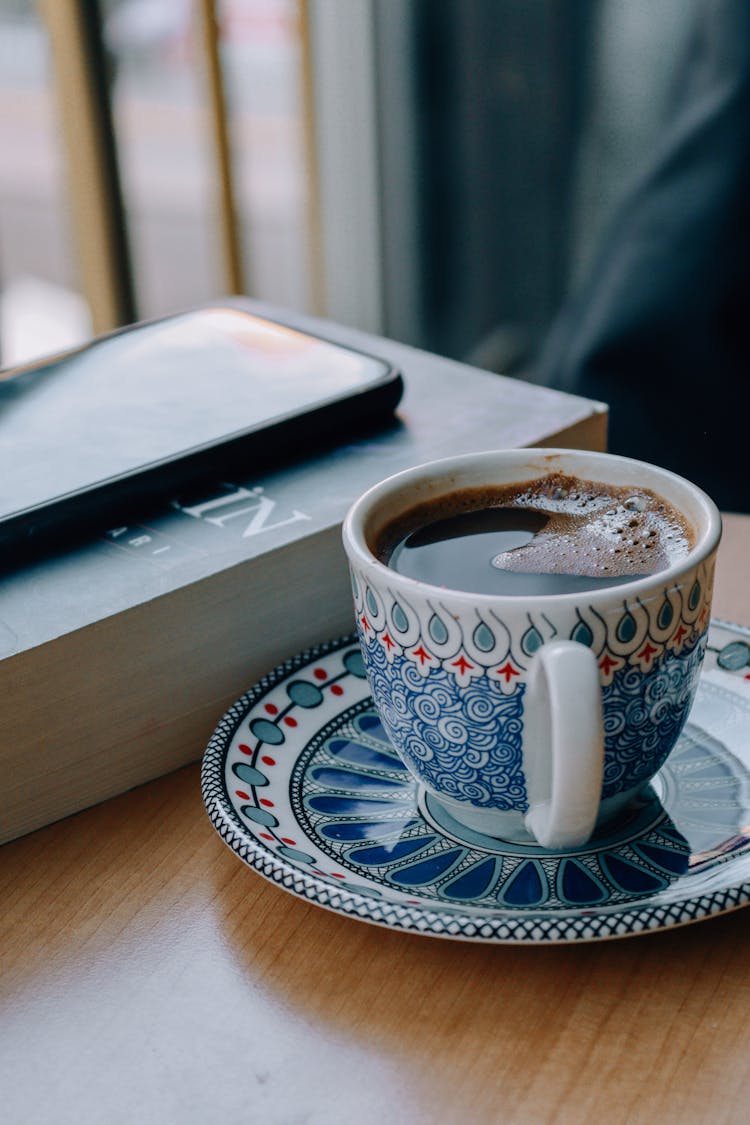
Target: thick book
<point>118,657</point>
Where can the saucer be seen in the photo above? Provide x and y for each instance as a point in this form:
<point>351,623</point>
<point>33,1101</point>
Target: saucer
<point>301,782</point>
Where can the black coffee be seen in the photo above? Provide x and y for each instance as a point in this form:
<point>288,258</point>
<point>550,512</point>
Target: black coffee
<point>554,535</point>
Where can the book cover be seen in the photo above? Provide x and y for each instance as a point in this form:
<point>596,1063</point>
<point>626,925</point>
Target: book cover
<point>118,657</point>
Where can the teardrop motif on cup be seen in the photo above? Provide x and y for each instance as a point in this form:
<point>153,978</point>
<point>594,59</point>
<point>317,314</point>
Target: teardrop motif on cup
<point>532,640</point>
<point>437,629</point>
<point>483,637</point>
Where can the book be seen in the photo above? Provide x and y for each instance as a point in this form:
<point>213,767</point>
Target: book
<point>118,657</point>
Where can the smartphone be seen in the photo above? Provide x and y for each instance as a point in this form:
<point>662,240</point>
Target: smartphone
<point>91,436</point>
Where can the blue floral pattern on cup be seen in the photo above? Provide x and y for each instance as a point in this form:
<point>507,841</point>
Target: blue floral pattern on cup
<point>642,720</point>
<point>465,741</point>
<point>450,688</point>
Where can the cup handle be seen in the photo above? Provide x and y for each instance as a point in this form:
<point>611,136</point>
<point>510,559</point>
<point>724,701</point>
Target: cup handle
<point>563,744</point>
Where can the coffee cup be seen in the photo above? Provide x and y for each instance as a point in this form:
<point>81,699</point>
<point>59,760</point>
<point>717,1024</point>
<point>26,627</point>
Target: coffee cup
<point>534,716</point>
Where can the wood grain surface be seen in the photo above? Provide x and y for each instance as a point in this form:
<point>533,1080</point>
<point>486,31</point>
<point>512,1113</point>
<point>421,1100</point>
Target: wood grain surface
<point>148,976</point>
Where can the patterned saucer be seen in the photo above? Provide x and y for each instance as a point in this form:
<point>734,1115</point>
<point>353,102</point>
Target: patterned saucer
<point>301,782</point>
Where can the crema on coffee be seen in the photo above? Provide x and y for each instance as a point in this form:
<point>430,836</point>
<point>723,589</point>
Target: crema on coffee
<point>553,535</point>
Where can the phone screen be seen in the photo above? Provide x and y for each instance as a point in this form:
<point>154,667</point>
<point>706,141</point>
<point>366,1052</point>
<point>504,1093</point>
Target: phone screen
<point>149,395</point>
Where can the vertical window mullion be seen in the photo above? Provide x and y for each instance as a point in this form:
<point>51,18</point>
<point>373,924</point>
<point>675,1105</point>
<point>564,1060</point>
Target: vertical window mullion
<point>96,201</point>
<point>217,106</point>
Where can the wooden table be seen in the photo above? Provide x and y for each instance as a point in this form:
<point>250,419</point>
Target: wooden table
<point>148,976</point>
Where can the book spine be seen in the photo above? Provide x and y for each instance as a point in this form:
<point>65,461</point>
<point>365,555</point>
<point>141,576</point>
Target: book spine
<point>138,694</point>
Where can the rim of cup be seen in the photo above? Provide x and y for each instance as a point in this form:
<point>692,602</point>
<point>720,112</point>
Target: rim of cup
<point>398,493</point>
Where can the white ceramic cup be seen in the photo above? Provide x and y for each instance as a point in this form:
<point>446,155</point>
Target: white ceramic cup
<point>532,718</point>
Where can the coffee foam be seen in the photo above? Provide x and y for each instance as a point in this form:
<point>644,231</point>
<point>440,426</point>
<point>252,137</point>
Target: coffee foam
<point>598,530</point>
<point>592,529</point>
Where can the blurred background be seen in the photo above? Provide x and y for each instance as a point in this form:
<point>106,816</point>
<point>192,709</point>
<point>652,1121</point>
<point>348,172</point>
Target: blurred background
<point>437,172</point>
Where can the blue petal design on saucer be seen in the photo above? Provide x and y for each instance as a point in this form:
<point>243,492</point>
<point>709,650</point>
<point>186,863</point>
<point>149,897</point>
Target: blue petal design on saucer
<point>370,725</point>
<point>473,883</point>
<point>349,806</point>
<point>527,886</point>
<point>360,754</point>
<point>663,858</point>
<point>362,830</point>
<point>348,779</point>
<point>633,878</point>
<point>427,871</point>
<point>579,886</point>
<point>378,856</point>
